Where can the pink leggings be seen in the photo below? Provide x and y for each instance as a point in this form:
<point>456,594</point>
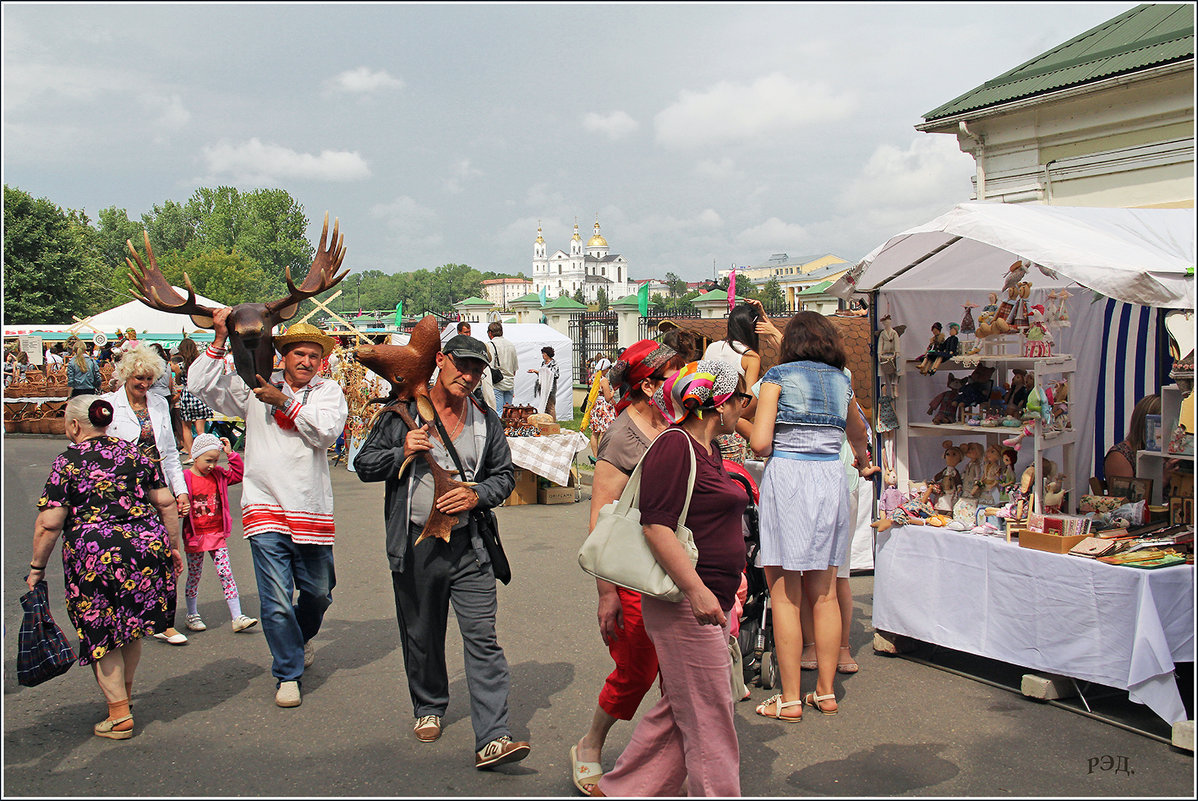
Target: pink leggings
<point>686,744</point>
<point>195,565</point>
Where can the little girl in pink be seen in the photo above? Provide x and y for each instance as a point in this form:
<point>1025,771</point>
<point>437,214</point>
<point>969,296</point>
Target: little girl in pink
<point>209,523</point>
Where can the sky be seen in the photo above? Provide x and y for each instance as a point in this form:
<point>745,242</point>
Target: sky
<point>701,135</point>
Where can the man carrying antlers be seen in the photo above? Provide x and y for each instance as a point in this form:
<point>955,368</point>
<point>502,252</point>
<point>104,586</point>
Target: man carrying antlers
<point>427,573</point>
<point>287,497</point>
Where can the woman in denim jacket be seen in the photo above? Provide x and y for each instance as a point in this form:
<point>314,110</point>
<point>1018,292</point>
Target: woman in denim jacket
<point>802,420</point>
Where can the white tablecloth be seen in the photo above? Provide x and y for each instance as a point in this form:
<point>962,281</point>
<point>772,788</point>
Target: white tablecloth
<point>550,456</point>
<point>1116,626</point>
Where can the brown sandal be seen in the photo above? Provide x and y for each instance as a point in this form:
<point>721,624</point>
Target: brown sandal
<point>811,699</point>
<point>848,667</point>
<point>779,705</point>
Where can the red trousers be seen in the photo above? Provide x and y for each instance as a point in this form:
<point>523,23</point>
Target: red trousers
<point>636,662</point>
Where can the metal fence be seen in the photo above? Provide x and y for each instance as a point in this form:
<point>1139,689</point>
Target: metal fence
<point>593,333</point>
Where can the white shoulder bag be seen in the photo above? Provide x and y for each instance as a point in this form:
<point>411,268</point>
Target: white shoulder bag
<point>617,551</point>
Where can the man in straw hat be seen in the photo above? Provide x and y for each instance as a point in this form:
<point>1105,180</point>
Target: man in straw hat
<point>428,575</point>
<point>287,496</point>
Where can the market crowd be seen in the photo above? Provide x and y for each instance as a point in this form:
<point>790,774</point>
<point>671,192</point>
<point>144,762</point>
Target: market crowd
<point>142,490</point>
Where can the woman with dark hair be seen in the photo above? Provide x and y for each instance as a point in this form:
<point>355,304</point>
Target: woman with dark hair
<point>546,386</point>
<point>687,744</point>
<point>192,411</point>
<point>121,552</point>
<point>1120,460</point>
<point>638,372</point>
<point>741,350</point>
<point>803,417</point>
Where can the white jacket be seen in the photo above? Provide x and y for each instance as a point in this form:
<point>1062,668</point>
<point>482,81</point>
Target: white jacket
<point>125,426</point>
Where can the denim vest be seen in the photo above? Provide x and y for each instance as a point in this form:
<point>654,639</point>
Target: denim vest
<point>812,393</point>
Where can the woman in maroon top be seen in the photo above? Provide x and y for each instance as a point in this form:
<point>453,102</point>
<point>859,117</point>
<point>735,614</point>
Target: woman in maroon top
<point>686,744</point>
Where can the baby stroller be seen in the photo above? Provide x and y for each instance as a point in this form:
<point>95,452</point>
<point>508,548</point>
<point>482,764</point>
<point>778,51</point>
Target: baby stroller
<point>756,635</point>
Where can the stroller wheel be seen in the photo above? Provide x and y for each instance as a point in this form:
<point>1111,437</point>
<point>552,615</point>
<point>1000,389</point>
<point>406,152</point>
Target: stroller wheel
<point>769,671</point>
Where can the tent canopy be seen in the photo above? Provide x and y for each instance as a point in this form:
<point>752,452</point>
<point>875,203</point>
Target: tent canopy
<point>529,338</point>
<point>1141,256</point>
<point>133,314</point>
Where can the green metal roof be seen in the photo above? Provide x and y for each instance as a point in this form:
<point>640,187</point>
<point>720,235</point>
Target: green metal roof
<point>816,289</point>
<point>627,300</point>
<point>531,297</point>
<point>474,302</point>
<point>1146,36</point>
<point>565,302</point>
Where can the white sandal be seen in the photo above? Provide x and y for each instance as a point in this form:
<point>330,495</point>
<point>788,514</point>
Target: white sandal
<point>779,705</point>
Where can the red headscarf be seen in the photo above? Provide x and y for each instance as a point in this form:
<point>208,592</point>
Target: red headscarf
<point>636,363</point>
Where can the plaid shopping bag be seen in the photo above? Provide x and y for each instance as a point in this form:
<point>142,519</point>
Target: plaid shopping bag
<point>43,649</point>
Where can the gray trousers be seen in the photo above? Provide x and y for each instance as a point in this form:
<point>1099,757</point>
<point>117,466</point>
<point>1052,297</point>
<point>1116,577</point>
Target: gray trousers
<point>436,574</point>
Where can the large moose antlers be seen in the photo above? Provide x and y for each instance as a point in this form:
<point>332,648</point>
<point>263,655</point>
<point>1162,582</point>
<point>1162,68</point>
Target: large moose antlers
<point>156,292</point>
<point>322,275</point>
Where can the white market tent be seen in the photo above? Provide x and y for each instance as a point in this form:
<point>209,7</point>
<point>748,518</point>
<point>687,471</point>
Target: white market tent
<point>1124,268</point>
<point>529,338</point>
<point>133,314</point>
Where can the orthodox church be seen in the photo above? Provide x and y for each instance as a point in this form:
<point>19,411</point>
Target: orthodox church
<point>588,269</point>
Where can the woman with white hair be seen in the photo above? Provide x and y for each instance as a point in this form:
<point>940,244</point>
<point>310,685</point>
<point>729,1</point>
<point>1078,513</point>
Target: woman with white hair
<point>144,418</point>
<point>120,551</point>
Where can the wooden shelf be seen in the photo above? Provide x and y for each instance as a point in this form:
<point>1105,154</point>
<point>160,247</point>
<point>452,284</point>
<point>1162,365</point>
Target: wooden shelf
<point>1185,457</point>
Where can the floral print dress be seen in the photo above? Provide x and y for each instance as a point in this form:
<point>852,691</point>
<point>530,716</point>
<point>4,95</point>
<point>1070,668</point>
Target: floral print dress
<point>120,581</point>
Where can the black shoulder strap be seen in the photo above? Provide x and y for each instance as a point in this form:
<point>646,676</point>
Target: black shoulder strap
<point>453,452</point>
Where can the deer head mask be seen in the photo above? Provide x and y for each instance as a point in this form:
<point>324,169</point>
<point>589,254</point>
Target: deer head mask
<point>250,325</point>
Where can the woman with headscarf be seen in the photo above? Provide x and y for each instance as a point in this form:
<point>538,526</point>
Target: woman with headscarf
<point>805,523</point>
<point>686,744</point>
<point>144,418</point>
<point>121,553</point>
<point>639,370</point>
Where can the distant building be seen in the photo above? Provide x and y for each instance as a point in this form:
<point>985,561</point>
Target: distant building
<point>1105,119</point>
<point>795,277</point>
<point>590,269</point>
<point>500,291</point>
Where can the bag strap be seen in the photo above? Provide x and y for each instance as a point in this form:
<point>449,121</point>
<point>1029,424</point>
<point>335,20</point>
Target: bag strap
<point>631,495</point>
<point>445,440</point>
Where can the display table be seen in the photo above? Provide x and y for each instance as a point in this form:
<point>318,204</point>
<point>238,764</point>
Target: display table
<point>1117,626</point>
<point>550,456</point>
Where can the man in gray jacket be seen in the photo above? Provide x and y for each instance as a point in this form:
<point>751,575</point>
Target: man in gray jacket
<point>503,356</point>
<point>428,576</point>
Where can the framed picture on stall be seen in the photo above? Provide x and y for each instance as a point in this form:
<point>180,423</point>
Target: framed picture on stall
<point>1134,489</point>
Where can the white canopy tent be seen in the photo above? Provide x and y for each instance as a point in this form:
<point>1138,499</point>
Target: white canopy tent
<point>1130,265</point>
<point>133,314</point>
<point>529,338</point>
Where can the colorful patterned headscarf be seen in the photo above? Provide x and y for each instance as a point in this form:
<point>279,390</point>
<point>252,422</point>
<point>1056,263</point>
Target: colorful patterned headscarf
<point>704,384</point>
<point>636,363</point>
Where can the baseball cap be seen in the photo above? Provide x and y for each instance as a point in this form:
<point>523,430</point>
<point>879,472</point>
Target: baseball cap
<point>465,347</point>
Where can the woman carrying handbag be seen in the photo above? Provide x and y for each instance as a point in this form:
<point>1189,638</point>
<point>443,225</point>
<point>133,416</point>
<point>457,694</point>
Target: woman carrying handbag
<point>686,744</point>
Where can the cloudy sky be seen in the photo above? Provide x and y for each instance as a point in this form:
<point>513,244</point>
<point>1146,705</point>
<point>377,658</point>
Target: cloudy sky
<point>702,135</point>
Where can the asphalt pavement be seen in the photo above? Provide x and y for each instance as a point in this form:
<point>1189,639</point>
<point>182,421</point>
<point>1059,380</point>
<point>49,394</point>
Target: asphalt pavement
<point>207,724</point>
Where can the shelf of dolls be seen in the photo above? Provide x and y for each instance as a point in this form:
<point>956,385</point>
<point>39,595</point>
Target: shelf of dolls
<point>1037,434</point>
<point>1150,463</point>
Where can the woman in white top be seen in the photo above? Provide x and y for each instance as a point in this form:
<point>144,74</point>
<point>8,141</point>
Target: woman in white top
<point>740,349</point>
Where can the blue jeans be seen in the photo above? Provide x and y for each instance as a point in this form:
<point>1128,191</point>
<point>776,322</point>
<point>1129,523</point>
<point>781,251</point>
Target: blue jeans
<point>282,567</point>
<point>502,398</point>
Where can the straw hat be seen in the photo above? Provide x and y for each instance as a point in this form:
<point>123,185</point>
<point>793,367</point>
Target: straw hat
<point>304,332</point>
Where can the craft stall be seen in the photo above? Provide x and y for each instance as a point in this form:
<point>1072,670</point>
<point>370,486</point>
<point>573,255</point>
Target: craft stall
<point>1012,343</point>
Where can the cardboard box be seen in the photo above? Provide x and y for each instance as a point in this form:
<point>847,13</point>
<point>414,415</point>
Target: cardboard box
<point>525,491</point>
<point>551,493</point>
<point>1053,543</point>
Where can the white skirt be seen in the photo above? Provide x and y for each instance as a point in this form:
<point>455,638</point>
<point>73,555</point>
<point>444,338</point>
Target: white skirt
<point>805,518</point>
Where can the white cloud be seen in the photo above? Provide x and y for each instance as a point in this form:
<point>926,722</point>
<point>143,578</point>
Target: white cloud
<point>722,170</point>
<point>459,172</point>
<point>172,115</point>
<point>730,112</point>
<point>897,187</point>
<point>616,125</point>
<point>410,226</point>
<point>362,81</point>
<point>773,235</point>
<point>544,196</point>
<point>254,162</point>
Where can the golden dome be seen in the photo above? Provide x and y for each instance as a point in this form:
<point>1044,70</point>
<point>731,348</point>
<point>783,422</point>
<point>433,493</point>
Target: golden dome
<point>597,241</point>
<point>540,239</point>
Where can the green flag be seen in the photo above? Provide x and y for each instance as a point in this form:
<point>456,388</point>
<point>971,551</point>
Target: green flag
<point>642,299</point>
<point>399,314</point>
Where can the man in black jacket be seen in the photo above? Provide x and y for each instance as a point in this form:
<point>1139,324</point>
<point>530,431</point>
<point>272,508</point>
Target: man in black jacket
<point>428,576</point>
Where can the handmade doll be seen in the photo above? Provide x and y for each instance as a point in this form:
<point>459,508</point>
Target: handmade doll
<point>934,348</point>
<point>1017,394</point>
<point>950,347</point>
<point>945,486</point>
<point>1054,494</point>
<point>977,386</point>
<point>985,326</point>
<point>968,328</point>
<point>1019,316</point>
<point>1007,481</point>
<point>971,472</point>
<point>1060,406</point>
<point>888,348</point>
<point>943,407</point>
<point>1039,339</point>
<point>991,481</point>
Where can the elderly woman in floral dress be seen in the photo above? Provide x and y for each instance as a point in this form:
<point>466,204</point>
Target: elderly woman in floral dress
<point>121,553</point>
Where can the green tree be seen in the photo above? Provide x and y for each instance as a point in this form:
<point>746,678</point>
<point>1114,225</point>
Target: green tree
<point>578,296</point>
<point>601,297</point>
<point>675,285</point>
<point>114,229</point>
<point>771,295</point>
<point>51,267</point>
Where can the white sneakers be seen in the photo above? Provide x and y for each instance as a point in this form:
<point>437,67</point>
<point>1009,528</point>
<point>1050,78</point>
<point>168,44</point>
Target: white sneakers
<point>195,623</point>
<point>288,694</point>
<point>241,623</point>
<point>309,653</point>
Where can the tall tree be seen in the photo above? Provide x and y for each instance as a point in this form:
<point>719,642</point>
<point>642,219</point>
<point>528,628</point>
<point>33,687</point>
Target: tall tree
<point>51,268</point>
<point>601,297</point>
